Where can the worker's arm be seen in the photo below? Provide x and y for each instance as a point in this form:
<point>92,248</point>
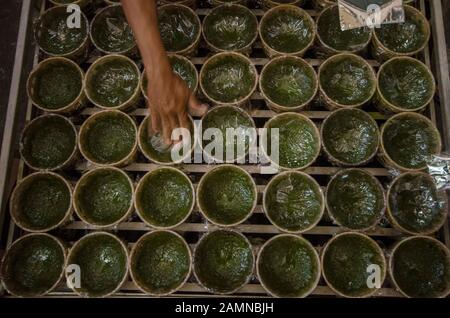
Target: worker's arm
<point>169,97</point>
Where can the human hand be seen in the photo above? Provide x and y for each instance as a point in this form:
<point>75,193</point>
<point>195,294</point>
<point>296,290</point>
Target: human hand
<point>170,102</point>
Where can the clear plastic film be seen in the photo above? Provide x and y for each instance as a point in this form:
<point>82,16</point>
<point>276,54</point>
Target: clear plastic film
<point>54,35</point>
<point>111,32</point>
<point>227,134</point>
<point>287,30</point>
<point>439,170</point>
<point>230,27</point>
<point>406,83</point>
<point>409,140</point>
<point>179,27</point>
<point>329,30</point>
<point>228,78</point>
<point>350,137</point>
<point>294,202</point>
<point>289,83</point>
<point>415,203</point>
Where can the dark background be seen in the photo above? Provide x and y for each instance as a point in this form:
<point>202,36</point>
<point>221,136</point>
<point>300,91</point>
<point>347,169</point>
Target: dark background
<point>9,23</point>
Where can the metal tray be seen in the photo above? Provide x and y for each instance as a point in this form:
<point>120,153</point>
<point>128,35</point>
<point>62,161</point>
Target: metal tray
<point>258,229</point>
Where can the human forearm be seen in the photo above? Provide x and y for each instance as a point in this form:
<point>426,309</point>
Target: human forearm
<point>142,17</point>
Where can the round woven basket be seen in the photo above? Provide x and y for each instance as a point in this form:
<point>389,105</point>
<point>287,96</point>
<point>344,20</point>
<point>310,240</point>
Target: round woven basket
<point>383,156</point>
<point>383,53</point>
<point>78,103</point>
<point>81,52</point>
<point>271,52</point>
<point>329,103</point>
<point>387,107</point>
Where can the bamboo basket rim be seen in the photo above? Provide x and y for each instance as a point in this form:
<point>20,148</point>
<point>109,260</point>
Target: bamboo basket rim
<point>82,182</point>
<point>16,195</point>
<point>309,246</point>
<point>237,55</point>
<point>302,117</point>
<point>30,126</point>
<point>398,244</point>
<point>235,5</point>
<point>140,186</point>
<point>238,110</point>
<point>374,244</point>
<point>380,213</point>
<point>39,68</point>
<point>364,64</point>
<point>171,56</point>
<point>396,108</point>
<point>61,6</point>
<point>133,255</point>
<point>300,11</point>
<point>304,64</point>
<point>78,243</point>
<point>316,185</point>
<point>145,122</point>
<point>195,269</point>
<point>107,58</point>
<point>348,164</point>
<point>19,240</point>
<point>94,20</point>
<point>197,21</point>
<point>393,219</point>
<point>329,47</point>
<point>412,114</point>
<point>407,7</point>
<point>92,118</point>
<point>202,208</point>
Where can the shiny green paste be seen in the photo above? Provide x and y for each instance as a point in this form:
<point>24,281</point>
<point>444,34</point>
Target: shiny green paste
<point>48,142</point>
<point>54,35</point>
<point>56,85</point>
<point>410,141</point>
<point>288,267</point>
<point>178,27</point>
<point>355,200</point>
<point>403,37</point>
<point>298,141</point>
<point>223,261</point>
<point>416,204</point>
<point>103,264</point>
<point>406,84</point>
<point>230,28</point>
<point>109,138</point>
<point>287,31</point>
<point>288,82</point>
<point>351,136</point>
<point>346,261</point>
<point>224,118</point>
<point>33,266</point>
<point>227,195</point>
<point>421,268</point>
<point>347,81</point>
<point>329,29</point>
<point>161,262</point>
<point>113,82</point>
<point>293,202</point>
<point>165,197</point>
<point>228,78</point>
<point>104,197</point>
<point>111,31</point>
<point>43,203</point>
